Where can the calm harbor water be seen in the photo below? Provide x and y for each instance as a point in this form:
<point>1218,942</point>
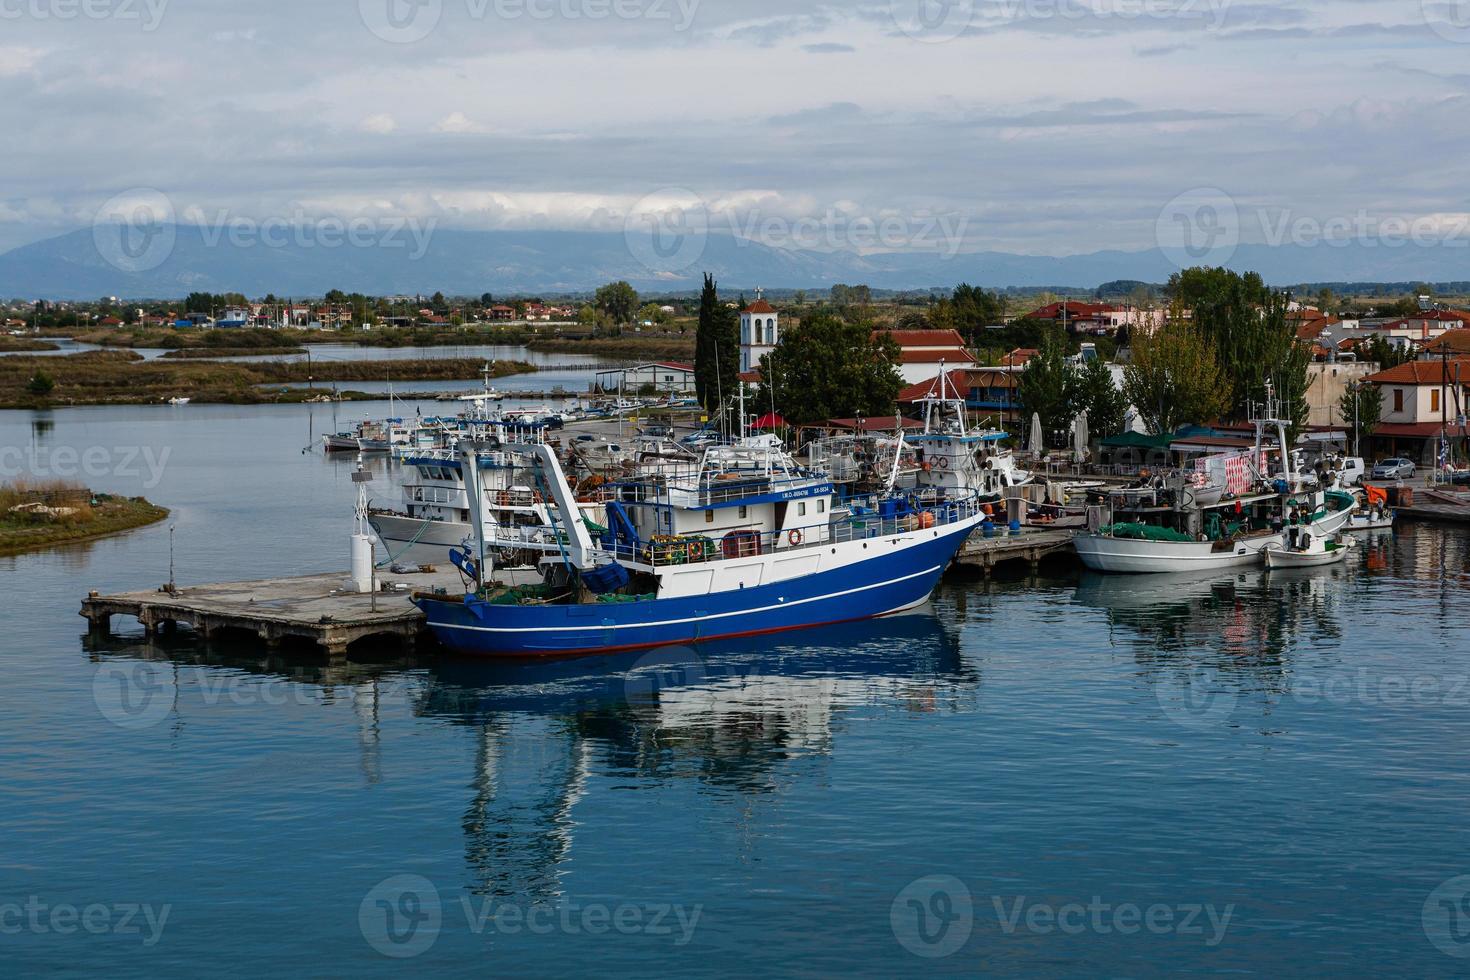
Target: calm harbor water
<point>1053,776</point>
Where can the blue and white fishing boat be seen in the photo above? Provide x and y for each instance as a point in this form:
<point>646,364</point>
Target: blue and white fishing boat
<point>745,543</point>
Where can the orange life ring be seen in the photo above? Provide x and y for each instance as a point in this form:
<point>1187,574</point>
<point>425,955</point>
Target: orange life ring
<point>794,536</point>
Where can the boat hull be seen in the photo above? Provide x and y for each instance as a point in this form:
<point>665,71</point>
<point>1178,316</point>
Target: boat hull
<point>1278,559</point>
<point>1103,553</point>
<point>1331,522</point>
<point>901,574</point>
<point>413,541</point>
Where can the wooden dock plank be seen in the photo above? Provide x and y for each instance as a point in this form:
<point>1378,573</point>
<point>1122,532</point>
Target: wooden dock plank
<point>1031,545</point>
<point>311,607</point>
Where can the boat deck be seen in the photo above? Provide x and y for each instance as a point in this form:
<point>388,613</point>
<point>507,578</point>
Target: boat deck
<point>311,608</point>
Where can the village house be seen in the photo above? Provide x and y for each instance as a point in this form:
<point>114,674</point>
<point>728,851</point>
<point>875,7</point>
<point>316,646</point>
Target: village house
<point>924,353</point>
<point>1419,329</point>
<point>1451,343</point>
<point>1420,399</point>
<point>666,377</point>
<point>1098,318</point>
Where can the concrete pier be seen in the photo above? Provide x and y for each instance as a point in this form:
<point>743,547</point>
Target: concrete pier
<point>1031,545</point>
<point>311,608</point>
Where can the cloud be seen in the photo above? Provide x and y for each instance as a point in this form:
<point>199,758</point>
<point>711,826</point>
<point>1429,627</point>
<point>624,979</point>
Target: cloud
<point>1050,134</point>
<point>16,59</point>
<point>457,122</point>
<point>380,123</point>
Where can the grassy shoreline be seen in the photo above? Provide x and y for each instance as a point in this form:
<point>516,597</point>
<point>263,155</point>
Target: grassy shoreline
<point>124,378</point>
<point>8,344</point>
<point>106,516</point>
<point>228,343</point>
<point>205,353</point>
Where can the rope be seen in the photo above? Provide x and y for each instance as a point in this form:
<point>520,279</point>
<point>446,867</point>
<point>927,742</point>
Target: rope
<point>412,541</point>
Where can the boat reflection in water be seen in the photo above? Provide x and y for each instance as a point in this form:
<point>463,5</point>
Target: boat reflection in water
<point>1208,645</point>
<point>735,719</point>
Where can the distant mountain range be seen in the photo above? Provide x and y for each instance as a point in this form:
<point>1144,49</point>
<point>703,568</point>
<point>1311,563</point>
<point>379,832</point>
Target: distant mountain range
<point>186,258</point>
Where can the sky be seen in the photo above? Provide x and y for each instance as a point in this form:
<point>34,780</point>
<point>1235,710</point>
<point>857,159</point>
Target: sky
<point>1048,127</point>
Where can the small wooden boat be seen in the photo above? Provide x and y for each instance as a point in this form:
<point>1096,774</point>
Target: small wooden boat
<point>1308,550</point>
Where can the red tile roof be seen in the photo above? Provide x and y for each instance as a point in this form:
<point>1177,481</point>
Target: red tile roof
<point>1423,373</point>
<point>1454,341</point>
<point>959,381</point>
<point>923,338</point>
<point>676,365</point>
<point>1075,310</point>
<point>759,306</point>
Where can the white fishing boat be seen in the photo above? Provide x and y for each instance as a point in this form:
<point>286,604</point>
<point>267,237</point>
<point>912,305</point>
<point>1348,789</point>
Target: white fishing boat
<point>178,401</point>
<point>1304,549</point>
<point>1188,521</point>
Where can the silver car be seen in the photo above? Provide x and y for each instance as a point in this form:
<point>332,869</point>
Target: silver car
<point>1393,468</point>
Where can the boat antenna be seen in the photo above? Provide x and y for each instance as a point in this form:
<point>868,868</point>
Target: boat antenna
<point>720,393</point>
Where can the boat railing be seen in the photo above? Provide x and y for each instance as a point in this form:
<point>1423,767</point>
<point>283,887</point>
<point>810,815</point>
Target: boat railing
<point>859,526</point>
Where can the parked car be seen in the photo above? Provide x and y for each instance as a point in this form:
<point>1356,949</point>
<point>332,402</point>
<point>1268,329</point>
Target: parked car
<point>1350,471</point>
<point>1393,468</point>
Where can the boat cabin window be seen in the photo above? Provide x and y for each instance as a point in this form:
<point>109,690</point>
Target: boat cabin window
<point>744,512</point>
<point>821,505</point>
<point>801,509</point>
<point>709,517</point>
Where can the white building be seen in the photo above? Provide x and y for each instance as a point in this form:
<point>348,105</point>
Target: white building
<point>923,353</point>
<point>760,331</point>
<point>660,376</point>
